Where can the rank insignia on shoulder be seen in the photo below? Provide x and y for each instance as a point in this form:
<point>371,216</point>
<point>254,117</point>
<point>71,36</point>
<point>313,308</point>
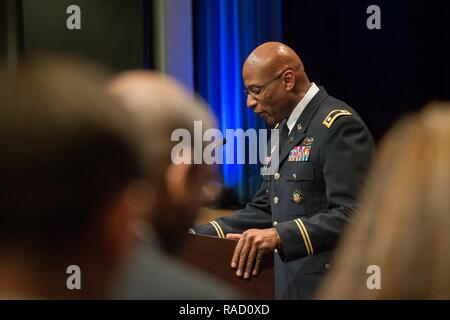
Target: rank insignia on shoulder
<point>300,153</point>
<point>333,115</point>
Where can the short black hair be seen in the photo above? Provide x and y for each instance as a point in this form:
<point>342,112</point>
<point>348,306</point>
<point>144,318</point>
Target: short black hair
<point>66,150</point>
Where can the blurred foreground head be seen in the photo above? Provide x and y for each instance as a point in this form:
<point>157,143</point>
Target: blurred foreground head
<point>67,166</point>
<point>404,223</point>
<point>160,106</point>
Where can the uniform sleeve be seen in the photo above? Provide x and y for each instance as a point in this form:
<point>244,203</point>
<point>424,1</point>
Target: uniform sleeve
<point>345,158</point>
<point>256,214</point>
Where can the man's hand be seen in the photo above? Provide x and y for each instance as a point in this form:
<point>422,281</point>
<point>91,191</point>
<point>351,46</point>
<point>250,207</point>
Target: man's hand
<point>252,246</point>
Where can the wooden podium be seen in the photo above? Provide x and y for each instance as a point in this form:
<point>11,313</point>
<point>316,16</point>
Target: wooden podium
<point>213,256</point>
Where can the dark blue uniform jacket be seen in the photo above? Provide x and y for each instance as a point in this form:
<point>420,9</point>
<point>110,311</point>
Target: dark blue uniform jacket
<point>311,198</point>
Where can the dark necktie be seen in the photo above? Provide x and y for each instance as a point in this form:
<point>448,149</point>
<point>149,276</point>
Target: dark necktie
<point>284,134</point>
<point>282,138</point>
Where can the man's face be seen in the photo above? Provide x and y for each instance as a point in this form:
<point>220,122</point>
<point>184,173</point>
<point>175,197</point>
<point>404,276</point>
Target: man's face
<point>266,93</point>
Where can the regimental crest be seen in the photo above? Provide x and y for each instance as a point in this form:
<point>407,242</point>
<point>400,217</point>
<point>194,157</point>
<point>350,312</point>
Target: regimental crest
<point>297,197</point>
<point>307,141</point>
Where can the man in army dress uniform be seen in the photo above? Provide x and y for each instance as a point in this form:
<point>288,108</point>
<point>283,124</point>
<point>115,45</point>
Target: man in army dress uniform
<point>300,211</point>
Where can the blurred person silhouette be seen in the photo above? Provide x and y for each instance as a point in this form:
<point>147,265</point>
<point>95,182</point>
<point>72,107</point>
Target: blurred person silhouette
<point>160,105</point>
<point>404,221</point>
<point>70,176</point>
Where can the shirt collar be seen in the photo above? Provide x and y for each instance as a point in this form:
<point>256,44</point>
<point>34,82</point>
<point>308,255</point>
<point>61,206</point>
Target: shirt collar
<point>295,114</point>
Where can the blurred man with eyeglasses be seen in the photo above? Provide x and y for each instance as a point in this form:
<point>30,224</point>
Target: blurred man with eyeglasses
<point>300,211</point>
<point>178,190</point>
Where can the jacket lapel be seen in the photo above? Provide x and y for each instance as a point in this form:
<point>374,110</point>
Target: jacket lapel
<point>298,133</point>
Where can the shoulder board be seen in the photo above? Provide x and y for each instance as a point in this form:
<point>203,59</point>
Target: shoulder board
<point>277,125</point>
<point>333,115</point>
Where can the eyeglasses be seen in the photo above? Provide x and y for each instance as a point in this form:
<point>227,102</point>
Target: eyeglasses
<point>257,90</point>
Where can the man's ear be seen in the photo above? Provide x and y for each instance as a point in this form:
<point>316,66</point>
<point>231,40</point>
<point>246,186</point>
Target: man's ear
<point>289,79</point>
<point>132,204</point>
<point>177,180</point>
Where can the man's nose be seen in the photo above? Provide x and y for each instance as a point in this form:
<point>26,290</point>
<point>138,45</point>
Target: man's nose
<point>251,102</point>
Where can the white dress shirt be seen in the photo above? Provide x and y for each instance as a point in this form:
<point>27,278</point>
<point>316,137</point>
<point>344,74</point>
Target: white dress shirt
<point>295,114</point>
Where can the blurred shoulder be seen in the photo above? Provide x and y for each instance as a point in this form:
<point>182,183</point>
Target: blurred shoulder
<point>151,274</point>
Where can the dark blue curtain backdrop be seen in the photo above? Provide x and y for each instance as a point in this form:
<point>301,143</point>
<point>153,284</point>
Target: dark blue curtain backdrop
<point>226,31</point>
